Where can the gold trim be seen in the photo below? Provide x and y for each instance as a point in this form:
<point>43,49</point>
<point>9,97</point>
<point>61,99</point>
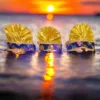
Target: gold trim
<point>48,43</point>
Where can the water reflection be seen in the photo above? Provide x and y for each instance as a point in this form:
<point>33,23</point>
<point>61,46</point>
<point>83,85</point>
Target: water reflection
<point>59,75</point>
<point>23,65</point>
<point>69,66</point>
<point>48,84</point>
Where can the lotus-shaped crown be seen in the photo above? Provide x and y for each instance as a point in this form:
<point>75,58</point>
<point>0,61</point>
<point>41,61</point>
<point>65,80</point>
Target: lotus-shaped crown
<point>49,35</point>
<point>81,32</point>
<point>19,34</point>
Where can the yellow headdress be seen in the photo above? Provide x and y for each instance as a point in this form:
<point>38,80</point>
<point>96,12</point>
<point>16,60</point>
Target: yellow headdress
<point>18,34</point>
<point>49,35</point>
<point>81,32</point>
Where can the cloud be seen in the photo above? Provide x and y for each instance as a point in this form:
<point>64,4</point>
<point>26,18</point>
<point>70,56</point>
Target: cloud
<point>91,3</point>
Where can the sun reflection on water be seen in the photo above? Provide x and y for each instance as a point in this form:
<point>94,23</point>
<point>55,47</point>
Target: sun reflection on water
<point>48,84</point>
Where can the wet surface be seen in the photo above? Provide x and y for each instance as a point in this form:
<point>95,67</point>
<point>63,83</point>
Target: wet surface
<point>76,76</point>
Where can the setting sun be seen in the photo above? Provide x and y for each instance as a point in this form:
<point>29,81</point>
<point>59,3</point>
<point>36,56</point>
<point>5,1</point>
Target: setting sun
<point>50,8</point>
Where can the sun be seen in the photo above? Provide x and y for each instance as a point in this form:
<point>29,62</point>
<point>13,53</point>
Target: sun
<point>50,8</point>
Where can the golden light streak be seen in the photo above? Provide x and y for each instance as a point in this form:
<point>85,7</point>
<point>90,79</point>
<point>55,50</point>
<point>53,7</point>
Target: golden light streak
<point>49,58</point>
<point>50,71</point>
<point>48,84</point>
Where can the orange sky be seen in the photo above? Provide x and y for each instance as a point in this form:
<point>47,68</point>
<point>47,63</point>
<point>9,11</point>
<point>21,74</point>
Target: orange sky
<point>40,6</point>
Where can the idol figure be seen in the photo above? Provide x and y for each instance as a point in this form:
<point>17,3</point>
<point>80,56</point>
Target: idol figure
<point>19,39</point>
<point>81,40</point>
<point>49,40</point>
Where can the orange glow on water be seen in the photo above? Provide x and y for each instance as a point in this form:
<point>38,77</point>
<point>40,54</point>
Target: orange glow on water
<point>48,84</point>
<point>47,90</point>
<point>50,71</point>
<point>47,77</point>
<point>49,58</point>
